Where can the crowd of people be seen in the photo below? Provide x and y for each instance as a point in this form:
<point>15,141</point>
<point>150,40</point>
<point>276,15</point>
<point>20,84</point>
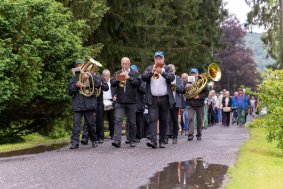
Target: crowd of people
<point>154,103</point>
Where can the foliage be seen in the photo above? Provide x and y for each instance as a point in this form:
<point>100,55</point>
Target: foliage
<point>236,61</point>
<point>39,42</point>
<point>90,10</point>
<point>271,96</point>
<point>260,55</point>
<point>266,13</point>
<point>187,31</point>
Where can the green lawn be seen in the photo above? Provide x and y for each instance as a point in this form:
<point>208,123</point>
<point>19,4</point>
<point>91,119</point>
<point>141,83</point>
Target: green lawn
<point>259,164</point>
<point>30,141</point>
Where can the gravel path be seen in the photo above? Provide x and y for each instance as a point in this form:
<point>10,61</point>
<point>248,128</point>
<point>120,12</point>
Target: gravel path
<point>108,167</point>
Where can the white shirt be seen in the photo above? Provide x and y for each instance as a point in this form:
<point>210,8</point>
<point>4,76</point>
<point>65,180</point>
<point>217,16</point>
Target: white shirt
<point>158,86</point>
<point>107,94</point>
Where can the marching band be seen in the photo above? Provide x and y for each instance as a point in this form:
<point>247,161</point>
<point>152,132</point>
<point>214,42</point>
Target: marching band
<point>157,91</point>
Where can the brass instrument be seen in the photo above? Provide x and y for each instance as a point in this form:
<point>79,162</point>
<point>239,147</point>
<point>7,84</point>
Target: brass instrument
<point>155,75</point>
<point>214,73</point>
<point>173,86</point>
<point>87,89</point>
<point>97,92</point>
<point>122,78</point>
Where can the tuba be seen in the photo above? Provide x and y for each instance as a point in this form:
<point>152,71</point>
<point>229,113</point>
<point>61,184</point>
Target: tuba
<point>214,73</point>
<point>88,84</point>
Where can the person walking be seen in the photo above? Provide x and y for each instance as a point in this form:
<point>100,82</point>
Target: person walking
<point>126,82</point>
<point>196,105</point>
<point>158,97</point>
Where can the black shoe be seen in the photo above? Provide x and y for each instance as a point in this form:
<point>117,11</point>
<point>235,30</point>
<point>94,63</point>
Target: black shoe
<point>198,137</point>
<point>152,144</point>
<point>117,144</point>
<point>94,144</point>
<point>132,144</point>
<point>100,141</point>
<point>190,138</point>
<point>127,141</point>
<point>161,145</point>
<point>74,146</point>
<point>84,142</point>
<point>175,141</point>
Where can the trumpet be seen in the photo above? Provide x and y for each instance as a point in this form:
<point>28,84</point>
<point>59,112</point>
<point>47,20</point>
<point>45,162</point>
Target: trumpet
<point>155,75</point>
<point>122,78</point>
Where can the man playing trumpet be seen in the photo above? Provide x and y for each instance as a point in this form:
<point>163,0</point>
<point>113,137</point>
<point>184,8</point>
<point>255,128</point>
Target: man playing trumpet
<point>158,97</point>
<point>126,82</point>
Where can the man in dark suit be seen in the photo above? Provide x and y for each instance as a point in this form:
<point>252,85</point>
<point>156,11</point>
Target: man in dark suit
<point>196,105</point>
<point>159,97</point>
<point>99,114</point>
<point>126,82</point>
<point>83,106</point>
<point>177,88</point>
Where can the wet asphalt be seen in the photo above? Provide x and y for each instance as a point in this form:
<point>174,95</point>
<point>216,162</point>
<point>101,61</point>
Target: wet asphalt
<point>109,167</point>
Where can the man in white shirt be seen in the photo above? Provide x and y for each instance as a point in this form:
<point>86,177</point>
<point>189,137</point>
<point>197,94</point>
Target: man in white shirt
<point>158,97</point>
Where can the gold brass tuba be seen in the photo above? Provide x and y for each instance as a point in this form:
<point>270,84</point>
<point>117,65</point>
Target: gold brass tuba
<point>214,73</point>
<point>88,84</point>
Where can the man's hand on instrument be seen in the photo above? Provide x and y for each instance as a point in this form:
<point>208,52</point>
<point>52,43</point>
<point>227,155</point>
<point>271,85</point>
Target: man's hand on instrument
<point>159,70</point>
<point>196,97</point>
<point>79,84</point>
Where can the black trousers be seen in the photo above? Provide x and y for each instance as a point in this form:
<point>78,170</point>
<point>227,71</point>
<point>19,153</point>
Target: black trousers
<point>99,123</point>
<point>159,110</point>
<point>140,130</point>
<point>199,115</point>
<point>90,119</point>
<point>226,118</point>
<point>120,110</point>
<point>173,118</point>
<point>111,120</point>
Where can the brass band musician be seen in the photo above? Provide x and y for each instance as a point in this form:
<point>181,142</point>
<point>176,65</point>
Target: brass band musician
<point>158,97</point>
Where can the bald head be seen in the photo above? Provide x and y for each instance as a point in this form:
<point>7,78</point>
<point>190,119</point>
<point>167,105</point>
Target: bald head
<point>125,63</point>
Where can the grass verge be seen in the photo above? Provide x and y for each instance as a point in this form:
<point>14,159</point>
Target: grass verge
<point>30,141</point>
<point>259,165</point>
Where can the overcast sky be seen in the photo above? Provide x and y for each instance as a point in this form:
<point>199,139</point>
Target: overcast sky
<point>240,9</point>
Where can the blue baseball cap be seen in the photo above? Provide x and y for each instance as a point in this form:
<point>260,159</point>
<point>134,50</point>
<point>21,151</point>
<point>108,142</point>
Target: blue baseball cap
<point>194,70</point>
<point>159,53</point>
<point>79,61</point>
<point>134,67</point>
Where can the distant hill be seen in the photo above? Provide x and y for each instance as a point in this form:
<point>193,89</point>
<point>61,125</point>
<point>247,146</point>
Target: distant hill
<point>253,41</point>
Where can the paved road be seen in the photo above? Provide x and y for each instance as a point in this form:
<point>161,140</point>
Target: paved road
<point>108,167</point>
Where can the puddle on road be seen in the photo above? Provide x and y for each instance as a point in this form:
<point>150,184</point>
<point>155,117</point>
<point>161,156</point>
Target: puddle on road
<point>192,174</point>
<point>34,150</point>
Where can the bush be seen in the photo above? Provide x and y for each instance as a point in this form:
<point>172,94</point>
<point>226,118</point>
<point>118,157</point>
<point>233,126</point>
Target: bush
<point>39,41</point>
<point>271,96</point>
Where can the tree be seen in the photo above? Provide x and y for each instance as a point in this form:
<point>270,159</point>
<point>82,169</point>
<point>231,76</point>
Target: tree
<point>39,42</point>
<point>236,62</point>
<point>267,14</point>
<point>187,31</point>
